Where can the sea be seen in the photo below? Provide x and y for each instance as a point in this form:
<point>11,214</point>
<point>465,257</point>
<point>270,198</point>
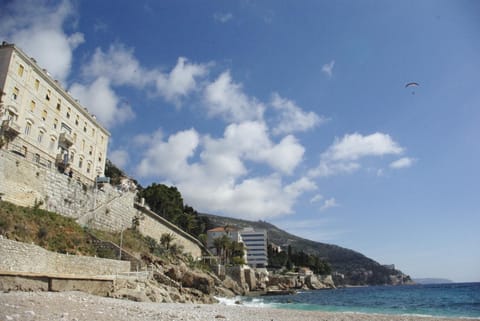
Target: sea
<point>460,300</point>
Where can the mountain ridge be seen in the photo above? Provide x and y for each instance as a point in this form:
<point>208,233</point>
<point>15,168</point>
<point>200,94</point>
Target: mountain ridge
<point>350,267</point>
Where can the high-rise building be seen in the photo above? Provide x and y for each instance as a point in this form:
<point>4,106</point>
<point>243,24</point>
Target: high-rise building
<point>43,123</point>
<point>256,243</point>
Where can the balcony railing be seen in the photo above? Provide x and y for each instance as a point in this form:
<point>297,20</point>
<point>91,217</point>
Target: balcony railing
<point>65,140</point>
<point>10,127</point>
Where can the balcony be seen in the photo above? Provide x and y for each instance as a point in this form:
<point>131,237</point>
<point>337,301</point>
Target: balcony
<point>10,128</point>
<point>65,140</point>
<point>62,160</point>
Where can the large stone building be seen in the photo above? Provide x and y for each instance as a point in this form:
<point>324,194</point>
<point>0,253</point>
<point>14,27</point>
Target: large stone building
<point>43,123</point>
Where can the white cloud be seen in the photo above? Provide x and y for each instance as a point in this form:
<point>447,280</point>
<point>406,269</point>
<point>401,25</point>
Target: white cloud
<point>316,198</point>
<point>344,154</point>
<point>403,162</point>
<point>355,146</point>
<point>328,68</point>
<point>181,80</point>
<point>292,118</point>
<point>119,65</point>
<point>222,17</point>
<point>329,203</point>
<point>225,99</point>
<point>102,102</point>
<point>37,28</point>
<point>119,157</point>
<point>212,173</point>
<point>249,140</point>
<point>170,158</point>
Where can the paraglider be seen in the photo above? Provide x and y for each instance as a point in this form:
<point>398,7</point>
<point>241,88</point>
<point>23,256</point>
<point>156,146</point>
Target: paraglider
<point>412,84</point>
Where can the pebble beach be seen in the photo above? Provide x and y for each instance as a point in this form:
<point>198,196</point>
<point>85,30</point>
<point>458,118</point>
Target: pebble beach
<point>78,306</point>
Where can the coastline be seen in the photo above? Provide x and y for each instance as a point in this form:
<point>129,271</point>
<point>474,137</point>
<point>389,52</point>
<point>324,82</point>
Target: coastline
<point>79,306</point>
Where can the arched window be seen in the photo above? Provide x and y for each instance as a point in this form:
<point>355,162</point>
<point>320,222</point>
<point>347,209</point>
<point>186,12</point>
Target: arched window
<point>28,128</point>
<point>41,133</point>
<point>21,69</point>
<point>52,143</point>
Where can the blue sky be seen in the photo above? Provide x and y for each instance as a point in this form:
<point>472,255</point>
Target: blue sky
<point>290,112</point>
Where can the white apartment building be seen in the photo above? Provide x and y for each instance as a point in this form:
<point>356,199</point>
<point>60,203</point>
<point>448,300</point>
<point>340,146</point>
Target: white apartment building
<point>256,243</point>
<point>40,120</point>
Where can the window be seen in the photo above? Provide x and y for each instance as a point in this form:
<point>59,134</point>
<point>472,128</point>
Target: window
<point>80,162</point>
<point>85,127</point>
<point>72,157</point>
<point>47,96</point>
<point>49,164</point>
<point>93,132</point>
<point>36,84</point>
<point>59,105</point>
<point>36,158</point>
<point>77,120</point>
<point>89,166</point>
<point>52,143</point>
<point>69,110</point>
<point>12,116</point>
<point>28,128</point>
<point>25,150</point>
<point>100,157</point>
<point>66,129</point>
<point>44,115</point>
<point>55,123</point>
<point>15,93</point>
<point>101,139</point>
<point>32,106</point>
<point>20,70</point>
<point>90,151</point>
<point>40,136</point>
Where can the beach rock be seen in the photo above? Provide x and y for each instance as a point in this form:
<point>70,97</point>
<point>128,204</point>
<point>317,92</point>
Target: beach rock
<point>198,280</point>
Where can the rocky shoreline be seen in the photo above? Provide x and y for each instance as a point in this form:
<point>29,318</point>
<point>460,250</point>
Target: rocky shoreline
<point>78,306</point>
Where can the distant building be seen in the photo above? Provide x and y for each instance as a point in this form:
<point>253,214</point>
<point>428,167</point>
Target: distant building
<point>256,244</point>
<point>40,120</point>
<point>232,232</point>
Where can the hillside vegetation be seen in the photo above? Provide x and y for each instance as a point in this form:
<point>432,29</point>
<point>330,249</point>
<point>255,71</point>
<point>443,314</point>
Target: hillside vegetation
<point>61,234</point>
<point>357,269</point>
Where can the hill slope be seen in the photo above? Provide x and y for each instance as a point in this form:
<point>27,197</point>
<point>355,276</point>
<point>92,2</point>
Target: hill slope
<point>356,267</point>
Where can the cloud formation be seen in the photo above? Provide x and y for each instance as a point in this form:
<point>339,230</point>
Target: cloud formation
<point>403,162</point>
<point>213,174</point>
<point>37,27</point>
<point>344,154</point>
<point>292,118</point>
<point>103,102</point>
<point>329,203</point>
<point>328,68</point>
<point>226,99</point>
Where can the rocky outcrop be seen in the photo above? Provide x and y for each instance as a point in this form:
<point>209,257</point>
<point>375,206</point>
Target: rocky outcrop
<point>292,281</point>
<point>314,282</point>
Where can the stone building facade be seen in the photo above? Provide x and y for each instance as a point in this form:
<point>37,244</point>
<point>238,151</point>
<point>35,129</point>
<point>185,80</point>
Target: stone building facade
<point>40,120</point>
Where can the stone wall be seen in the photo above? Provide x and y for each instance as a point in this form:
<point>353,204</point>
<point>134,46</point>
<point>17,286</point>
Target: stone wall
<point>23,257</point>
<point>108,208</point>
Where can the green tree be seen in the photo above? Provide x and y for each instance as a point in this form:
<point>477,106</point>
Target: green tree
<point>166,240</point>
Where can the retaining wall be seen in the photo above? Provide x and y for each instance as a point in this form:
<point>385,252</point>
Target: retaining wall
<point>24,183</point>
<point>23,257</point>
